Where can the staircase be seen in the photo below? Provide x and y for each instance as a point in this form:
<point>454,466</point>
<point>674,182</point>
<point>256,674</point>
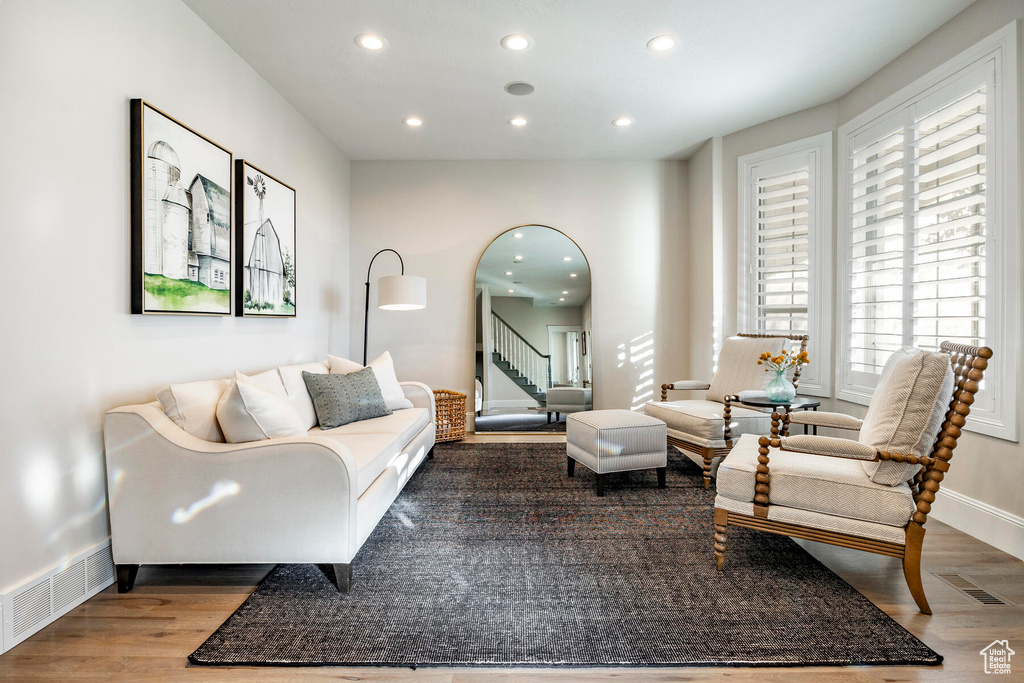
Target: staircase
<point>520,360</point>
<point>522,381</point>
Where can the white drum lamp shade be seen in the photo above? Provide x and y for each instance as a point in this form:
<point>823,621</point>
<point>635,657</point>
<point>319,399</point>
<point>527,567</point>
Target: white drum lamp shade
<point>401,293</point>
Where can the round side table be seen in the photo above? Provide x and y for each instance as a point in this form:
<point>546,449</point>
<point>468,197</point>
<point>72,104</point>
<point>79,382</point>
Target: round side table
<point>798,403</point>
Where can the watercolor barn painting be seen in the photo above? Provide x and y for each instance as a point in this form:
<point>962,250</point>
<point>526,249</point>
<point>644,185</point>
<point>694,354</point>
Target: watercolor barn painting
<point>266,249</point>
<point>181,217</point>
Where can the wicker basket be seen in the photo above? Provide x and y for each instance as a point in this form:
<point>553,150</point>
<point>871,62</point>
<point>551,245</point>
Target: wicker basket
<point>451,415</point>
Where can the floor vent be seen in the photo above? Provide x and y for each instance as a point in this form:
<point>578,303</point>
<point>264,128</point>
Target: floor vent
<point>100,569</point>
<point>970,589</point>
<point>68,586</point>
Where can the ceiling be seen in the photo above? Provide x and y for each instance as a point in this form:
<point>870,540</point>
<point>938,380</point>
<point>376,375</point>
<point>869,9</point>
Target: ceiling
<point>542,274</point>
<point>739,62</point>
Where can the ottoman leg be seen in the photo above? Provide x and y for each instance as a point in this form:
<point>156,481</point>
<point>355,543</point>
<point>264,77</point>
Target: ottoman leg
<point>572,465</point>
<point>600,484</point>
<point>661,477</point>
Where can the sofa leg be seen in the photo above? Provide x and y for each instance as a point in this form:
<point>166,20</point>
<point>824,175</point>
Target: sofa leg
<point>661,477</point>
<point>338,574</point>
<point>126,574</point>
<point>571,465</point>
<point>430,453</point>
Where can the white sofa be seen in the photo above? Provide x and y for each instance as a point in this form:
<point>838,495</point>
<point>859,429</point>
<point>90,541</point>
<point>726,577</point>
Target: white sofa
<point>178,499</point>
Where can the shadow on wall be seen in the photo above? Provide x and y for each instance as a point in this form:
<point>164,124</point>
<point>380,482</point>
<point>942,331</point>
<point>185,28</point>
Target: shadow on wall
<point>639,357</point>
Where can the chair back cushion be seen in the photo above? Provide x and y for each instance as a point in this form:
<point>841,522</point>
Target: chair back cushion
<point>907,411</point>
<point>737,366</point>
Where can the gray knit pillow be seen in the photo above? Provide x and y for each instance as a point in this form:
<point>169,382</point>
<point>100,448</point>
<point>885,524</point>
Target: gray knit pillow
<point>340,399</point>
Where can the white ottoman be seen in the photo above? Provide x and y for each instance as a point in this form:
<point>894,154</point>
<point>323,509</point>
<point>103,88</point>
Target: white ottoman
<point>615,441</point>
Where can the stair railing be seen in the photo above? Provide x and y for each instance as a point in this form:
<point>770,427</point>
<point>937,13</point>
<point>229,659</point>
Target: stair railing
<point>520,354</point>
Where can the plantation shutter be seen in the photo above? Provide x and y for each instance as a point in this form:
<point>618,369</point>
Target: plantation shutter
<point>947,270</point>
<point>783,248</point>
<point>876,251</point>
<point>917,241</point>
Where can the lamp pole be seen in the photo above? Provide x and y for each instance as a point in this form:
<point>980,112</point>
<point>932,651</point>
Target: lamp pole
<point>366,310</point>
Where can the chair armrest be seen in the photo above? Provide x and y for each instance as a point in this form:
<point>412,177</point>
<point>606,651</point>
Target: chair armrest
<point>689,385</point>
<point>683,385</point>
<point>829,446</point>
<point>825,419</point>
<point>421,396</point>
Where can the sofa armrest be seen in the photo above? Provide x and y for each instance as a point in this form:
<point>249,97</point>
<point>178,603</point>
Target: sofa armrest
<point>421,396</point>
<point>177,499</point>
<point>689,385</point>
<point>829,446</point>
<point>825,419</point>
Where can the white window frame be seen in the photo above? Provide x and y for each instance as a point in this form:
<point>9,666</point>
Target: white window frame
<point>814,152</point>
<point>1003,225</point>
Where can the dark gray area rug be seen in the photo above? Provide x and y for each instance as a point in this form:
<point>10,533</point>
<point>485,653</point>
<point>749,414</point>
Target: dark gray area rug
<point>493,557</point>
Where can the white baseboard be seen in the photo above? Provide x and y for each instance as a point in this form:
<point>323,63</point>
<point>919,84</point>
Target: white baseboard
<point>996,527</point>
<point>40,601</point>
<point>512,403</point>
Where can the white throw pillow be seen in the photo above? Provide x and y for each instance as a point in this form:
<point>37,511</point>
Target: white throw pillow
<point>295,386</point>
<point>193,407</point>
<point>384,370</point>
<point>257,408</point>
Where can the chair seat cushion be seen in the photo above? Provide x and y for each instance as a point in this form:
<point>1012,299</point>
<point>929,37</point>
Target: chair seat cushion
<point>834,486</point>
<point>701,422</point>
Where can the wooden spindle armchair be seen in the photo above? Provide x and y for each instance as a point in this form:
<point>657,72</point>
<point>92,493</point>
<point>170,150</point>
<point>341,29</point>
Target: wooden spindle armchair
<point>706,427</point>
<point>873,494</point>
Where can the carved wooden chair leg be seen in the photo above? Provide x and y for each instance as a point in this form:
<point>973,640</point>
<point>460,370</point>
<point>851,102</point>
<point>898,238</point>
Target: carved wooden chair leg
<point>912,565</point>
<point>708,455</point>
<point>721,532</point>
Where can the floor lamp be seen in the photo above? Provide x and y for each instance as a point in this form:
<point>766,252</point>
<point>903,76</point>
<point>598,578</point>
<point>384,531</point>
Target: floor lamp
<point>394,293</point>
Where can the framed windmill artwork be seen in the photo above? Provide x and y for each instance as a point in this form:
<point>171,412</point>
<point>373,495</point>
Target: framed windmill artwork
<point>266,244</point>
<point>180,216</point>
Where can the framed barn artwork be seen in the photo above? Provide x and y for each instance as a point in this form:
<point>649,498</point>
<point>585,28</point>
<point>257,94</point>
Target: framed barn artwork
<point>266,244</point>
<point>180,217</point>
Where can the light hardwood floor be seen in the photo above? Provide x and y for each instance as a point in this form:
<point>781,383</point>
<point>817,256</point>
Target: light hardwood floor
<point>147,634</point>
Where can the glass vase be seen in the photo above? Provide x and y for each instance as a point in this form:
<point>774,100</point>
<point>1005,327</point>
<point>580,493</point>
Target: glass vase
<point>780,389</point>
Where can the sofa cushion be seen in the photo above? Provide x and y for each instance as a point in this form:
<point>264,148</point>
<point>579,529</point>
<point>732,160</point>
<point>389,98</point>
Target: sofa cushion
<point>737,366</point>
<point>257,408</point>
<point>834,486</point>
<point>404,424</point>
<point>298,394</point>
<point>701,422</point>
<point>193,407</point>
<point>384,370</point>
<point>373,453</point>
<point>340,399</point>
<point>907,410</point>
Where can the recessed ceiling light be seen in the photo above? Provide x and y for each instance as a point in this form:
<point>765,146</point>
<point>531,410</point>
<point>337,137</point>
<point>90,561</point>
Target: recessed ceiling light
<point>516,42</point>
<point>508,272</point>
<point>511,291</point>
<point>518,235</point>
<point>567,258</point>
<point>414,122</point>
<point>561,299</point>
<point>661,43</point>
<point>519,258</point>
<point>518,121</point>
<point>572,274</point>
<point>371,41</point>
<point>622,122</point>
<point>565,292</point>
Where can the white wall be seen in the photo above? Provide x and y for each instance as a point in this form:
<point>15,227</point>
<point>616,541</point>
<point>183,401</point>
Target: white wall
<point>70,349</point>
<point>627,218</point>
